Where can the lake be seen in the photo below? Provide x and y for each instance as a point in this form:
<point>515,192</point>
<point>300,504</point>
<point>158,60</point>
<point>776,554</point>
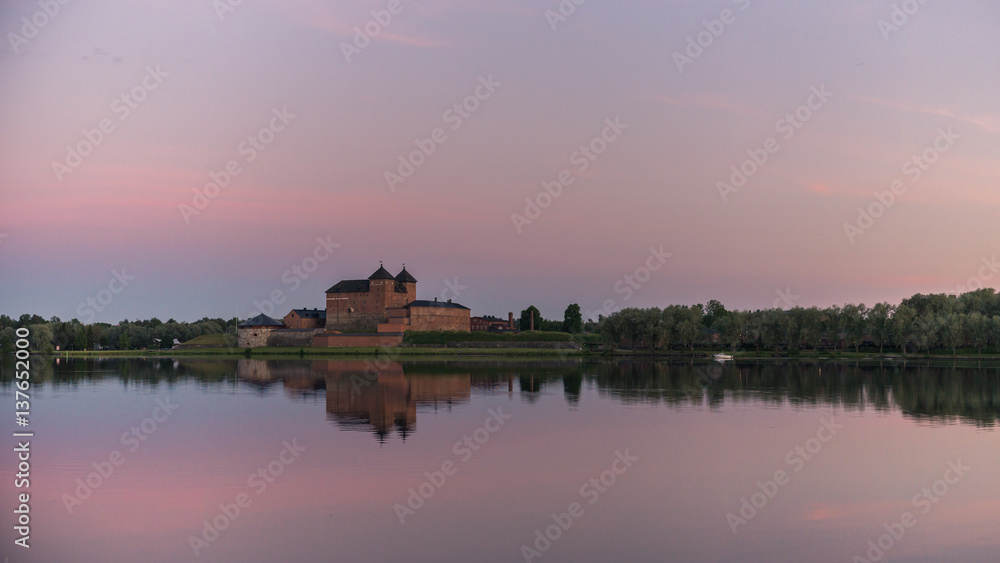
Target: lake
<point>505,460</point>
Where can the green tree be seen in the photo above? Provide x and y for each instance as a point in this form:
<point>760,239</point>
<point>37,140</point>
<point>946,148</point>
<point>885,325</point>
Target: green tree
<point>526,318</point>
<point>953,331</point>
<point>927,331</point>
<point>573,319</point>
<point>41,338</point>
<point>977,327</point>
<point>7,341</point>
<point>713,312</point>
<point>80,340</point>
<point>880,324</point>
<point>731,327</point>
<point>903,323</point>
<point>854,322</point>
<point>689,325</point>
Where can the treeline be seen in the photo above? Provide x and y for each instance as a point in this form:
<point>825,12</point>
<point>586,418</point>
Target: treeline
<point>54,334</point>
<point>919,323</point>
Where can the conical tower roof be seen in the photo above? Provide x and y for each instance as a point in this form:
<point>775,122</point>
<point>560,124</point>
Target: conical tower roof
<point>405,277</point>
<point>381,274</point>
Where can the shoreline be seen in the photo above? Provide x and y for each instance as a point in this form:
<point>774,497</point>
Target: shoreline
<point>426,352</point>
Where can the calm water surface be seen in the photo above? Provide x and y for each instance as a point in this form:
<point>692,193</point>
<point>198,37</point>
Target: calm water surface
<point>478,461</point>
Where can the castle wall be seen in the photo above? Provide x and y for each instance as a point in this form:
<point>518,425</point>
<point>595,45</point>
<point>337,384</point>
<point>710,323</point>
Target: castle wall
<point>439,318</point>
<point>300,338</point>
<point>252,337</point>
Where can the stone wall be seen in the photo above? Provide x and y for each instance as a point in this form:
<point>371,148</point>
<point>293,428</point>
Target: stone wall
<point>252,337</point>
<point>358,321</point>
<point>300,338</point>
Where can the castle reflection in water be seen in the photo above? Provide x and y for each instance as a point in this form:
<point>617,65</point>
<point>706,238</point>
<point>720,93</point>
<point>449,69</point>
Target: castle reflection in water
<point>361,395</point>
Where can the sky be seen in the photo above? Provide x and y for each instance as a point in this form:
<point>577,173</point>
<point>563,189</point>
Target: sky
<point>760,153</point>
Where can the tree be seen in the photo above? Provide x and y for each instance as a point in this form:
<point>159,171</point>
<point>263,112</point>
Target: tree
<point>953,331</point>
<point>730,327</point>
<point>689,327</point>
<point>7,341</point>
<point>713,312</point>
<point>80,340</point>
<point>903,320</point>
<point>854,322</point>
<point>573,319</point>
<point>880,324</point>
<point>526,318</point>
<point>977,326</point>
<point>669,334</point>
<point>41,338</point>
<point>927,331</point>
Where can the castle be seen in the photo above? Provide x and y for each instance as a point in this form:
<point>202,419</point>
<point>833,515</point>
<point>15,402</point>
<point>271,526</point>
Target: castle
<point>362,304</point>
<point>371,312</point>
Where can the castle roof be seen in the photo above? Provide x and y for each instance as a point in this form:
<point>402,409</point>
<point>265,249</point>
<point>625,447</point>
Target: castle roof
<point>405,277</point>
<point>260,320</point>
<point>442,304</point>
<point>310,313</point>
<point>350,286</point>
<point>381,274</point>
<point>361,286</point>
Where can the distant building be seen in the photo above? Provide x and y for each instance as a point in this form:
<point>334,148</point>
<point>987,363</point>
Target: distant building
<point>373,312</point>
<point>363,304</point>
<point>305,318</point>
<point>427,315</point>
<point>489,322</point>
<point>254,332</point>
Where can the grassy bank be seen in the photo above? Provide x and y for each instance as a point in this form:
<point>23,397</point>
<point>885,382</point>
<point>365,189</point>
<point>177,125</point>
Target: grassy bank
<point>443,338</point>
<point>331,353</point>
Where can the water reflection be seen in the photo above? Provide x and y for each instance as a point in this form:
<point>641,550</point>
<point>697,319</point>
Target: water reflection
<point>706,436</point>
<point>386,398</point>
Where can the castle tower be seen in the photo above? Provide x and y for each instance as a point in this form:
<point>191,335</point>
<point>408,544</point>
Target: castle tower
<point>382,287</point>
<point>409,283</point>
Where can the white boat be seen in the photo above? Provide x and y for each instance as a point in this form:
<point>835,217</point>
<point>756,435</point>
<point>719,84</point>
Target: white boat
<point>722,357</point>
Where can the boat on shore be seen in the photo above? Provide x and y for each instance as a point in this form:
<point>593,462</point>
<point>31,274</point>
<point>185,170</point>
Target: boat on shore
<point>722,357</point>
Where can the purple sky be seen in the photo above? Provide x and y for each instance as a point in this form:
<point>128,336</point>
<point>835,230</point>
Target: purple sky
<point>199,85</point>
